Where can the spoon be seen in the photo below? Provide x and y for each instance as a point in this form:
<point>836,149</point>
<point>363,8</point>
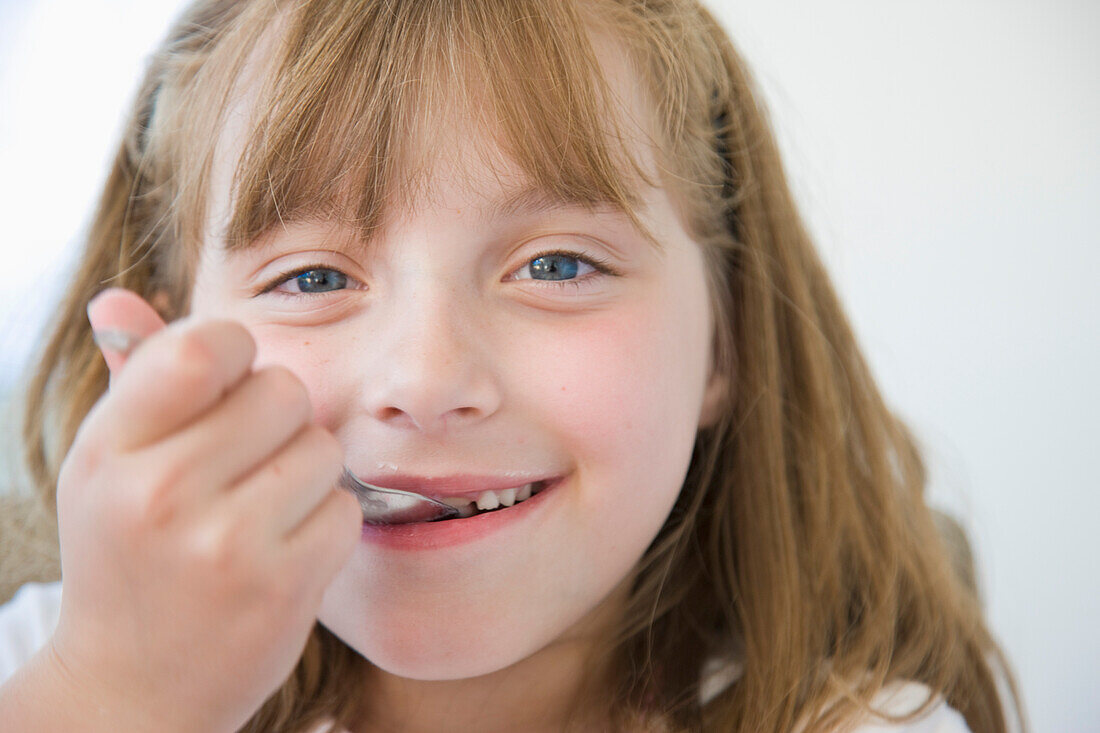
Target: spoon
<point>380,505</point>
<point>394,506</point>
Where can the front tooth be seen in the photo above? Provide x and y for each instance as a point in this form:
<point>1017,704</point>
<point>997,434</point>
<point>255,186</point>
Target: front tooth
<point>508,497</point>
<point>524,492</point>
<point>488,500</point>
<point>466,510</point>
<point>458,502</point>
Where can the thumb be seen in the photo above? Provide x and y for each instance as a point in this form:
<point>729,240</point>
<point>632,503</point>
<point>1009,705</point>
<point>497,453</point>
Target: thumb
<point>121,320</point>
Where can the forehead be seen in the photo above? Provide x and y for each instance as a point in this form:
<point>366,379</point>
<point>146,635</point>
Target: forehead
<point>367,153</point>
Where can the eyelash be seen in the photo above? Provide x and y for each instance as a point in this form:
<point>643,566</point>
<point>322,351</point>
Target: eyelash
<point>601,266</point>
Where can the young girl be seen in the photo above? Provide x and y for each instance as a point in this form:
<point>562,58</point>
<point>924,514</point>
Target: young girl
<point>537,259</point>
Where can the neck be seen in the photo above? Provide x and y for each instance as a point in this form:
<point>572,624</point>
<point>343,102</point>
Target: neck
<point>520,697</point>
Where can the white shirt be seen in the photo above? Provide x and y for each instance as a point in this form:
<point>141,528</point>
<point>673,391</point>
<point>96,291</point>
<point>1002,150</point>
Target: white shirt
<point>29,618</point>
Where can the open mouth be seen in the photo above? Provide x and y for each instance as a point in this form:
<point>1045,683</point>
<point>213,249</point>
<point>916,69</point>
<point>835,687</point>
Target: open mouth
<point>491,500</point>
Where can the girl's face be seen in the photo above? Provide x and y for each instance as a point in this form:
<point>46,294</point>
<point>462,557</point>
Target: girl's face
<point>487,340</point>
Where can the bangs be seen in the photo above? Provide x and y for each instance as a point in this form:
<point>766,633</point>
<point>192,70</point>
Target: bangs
<point>346,122</point>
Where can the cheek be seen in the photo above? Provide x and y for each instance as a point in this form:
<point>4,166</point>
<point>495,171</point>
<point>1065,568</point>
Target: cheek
<point>592,379</point>
<point>625,392</point>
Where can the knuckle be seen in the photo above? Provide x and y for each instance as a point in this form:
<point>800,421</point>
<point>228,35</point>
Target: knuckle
<point>135,515</point>
<point>343,519</point>
<point>284,388</point>
<point>193,360</point>
<point>155,504</point>
<point>237,333</point>
<point>325,450</point>
<point>340,509</point>
<point>216,550</point>
<point>350,516</point>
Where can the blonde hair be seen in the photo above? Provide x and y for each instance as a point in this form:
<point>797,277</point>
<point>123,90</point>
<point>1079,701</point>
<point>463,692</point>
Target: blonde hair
<point>800,545</point>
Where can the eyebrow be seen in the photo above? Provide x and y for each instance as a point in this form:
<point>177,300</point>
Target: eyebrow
<point>535,199</point>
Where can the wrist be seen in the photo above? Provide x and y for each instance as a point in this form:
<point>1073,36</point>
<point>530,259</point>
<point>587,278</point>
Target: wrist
<point>48,694</point>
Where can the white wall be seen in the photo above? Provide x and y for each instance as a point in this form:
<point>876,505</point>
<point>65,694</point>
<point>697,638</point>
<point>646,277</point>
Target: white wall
<point>947,156</point>
<point>68,69</point>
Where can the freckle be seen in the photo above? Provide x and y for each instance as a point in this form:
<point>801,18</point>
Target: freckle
<point>305,343</point>
<point>563,389</point>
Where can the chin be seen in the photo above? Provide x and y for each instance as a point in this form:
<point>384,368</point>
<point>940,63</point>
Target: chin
<point>443,654</point>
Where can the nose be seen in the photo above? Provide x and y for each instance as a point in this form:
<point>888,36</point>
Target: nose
<point>432,370</point>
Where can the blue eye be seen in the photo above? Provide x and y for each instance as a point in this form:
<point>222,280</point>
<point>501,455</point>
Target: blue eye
<point>561,268</point>
<point>554,267</point>
<point>309,281</point>
<point>321,280</point>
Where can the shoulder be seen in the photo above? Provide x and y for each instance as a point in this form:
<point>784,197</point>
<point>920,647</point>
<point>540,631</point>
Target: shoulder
<point>905,698</point>
<point>26,622</point>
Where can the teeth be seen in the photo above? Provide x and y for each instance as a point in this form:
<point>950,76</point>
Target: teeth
<point>488,500</point>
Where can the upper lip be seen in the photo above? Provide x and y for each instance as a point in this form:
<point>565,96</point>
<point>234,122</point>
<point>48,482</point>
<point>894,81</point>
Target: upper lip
<point>454,485</point>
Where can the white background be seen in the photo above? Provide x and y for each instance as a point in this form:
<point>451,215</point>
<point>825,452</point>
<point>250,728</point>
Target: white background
<point>947,157</point>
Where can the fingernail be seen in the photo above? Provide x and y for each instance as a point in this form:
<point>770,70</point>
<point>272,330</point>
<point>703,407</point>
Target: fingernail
<point>116,340</point>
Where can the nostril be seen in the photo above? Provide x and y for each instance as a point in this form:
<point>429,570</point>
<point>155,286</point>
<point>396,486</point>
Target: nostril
<point>431,402</point>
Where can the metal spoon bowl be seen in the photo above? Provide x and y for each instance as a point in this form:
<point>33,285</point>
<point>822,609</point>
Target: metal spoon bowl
<point>383,506</point>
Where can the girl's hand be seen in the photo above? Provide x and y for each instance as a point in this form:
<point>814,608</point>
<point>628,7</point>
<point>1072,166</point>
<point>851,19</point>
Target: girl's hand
<point>199,526</point>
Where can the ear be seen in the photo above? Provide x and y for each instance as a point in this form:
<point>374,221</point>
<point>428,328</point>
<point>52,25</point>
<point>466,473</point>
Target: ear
<point>716,398</point>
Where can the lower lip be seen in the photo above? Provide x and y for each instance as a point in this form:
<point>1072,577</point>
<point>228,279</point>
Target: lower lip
<point>437,535</point>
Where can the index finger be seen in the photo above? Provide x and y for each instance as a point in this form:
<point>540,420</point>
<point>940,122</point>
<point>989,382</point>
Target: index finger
<point>173,378</point>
